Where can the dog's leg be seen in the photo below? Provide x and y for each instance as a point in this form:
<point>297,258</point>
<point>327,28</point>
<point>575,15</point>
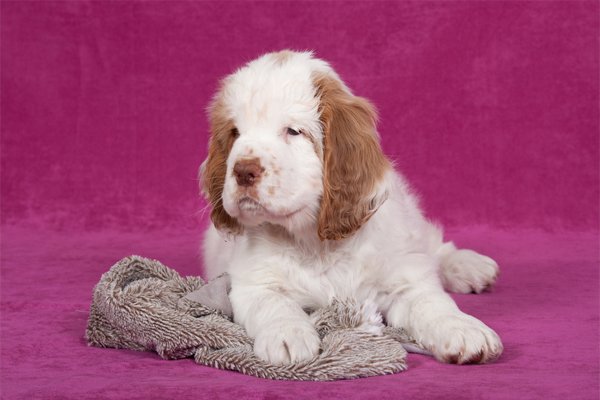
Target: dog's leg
<point>429,314</point>
<point>283,333</point>
<point>465,271</point>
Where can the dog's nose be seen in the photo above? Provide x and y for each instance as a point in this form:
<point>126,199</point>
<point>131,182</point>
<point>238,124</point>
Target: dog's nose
<point>247,172</point>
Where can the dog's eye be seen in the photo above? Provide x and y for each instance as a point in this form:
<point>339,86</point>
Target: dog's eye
<point>292,132</point>
<point>235,133</point>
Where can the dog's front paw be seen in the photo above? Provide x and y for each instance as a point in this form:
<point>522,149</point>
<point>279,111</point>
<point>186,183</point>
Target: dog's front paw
<point>286,343</point>
<point>465,271</point>
<point>462,339</point>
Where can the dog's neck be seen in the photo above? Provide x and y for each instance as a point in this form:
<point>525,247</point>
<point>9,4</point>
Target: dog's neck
<point>305,240</point>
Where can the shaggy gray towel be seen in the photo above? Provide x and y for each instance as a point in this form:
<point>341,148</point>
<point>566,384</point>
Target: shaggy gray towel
<point>140,304</point>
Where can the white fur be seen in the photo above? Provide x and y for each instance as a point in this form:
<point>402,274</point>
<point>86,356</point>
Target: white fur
<point>278,265</point>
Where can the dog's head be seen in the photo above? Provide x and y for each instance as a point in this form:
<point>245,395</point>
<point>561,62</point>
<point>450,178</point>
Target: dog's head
<point>292,146</point>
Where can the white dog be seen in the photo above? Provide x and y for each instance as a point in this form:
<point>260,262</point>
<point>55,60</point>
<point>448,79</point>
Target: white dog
<point>309,209</point>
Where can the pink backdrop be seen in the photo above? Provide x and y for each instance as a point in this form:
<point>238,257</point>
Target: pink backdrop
<point>489,107</point>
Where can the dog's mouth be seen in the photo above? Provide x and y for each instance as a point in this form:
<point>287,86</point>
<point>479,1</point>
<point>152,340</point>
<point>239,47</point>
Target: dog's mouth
<point>254,208</point>
<point>251,206</point>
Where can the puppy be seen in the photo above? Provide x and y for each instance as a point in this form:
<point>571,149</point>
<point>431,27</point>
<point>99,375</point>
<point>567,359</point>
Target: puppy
<point>306,207</point>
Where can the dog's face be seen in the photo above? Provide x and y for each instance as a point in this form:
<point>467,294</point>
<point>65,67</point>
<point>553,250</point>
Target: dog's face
<point>291,146</point>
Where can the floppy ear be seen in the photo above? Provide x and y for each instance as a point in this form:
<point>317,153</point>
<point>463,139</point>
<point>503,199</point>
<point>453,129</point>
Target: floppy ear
<point>213,169</point>
<point>352,158</point>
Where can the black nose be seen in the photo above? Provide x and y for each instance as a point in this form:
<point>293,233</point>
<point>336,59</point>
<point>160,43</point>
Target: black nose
<point>247,172</point>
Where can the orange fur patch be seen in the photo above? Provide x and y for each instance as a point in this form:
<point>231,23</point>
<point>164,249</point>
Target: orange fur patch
<point>223,134</point>
<point>353,160</point>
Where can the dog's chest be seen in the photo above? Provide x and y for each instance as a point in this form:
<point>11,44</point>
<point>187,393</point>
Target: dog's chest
<point>314,279</point>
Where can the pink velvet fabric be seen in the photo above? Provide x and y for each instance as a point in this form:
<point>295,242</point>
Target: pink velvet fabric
<point>489,108</point>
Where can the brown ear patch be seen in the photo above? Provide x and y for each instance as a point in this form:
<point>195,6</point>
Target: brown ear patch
<point>223,134</point>
<point>353,160</point>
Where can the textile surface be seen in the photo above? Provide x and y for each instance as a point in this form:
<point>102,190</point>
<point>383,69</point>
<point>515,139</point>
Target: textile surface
<point>141,304</point>
<point>490,109</point>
